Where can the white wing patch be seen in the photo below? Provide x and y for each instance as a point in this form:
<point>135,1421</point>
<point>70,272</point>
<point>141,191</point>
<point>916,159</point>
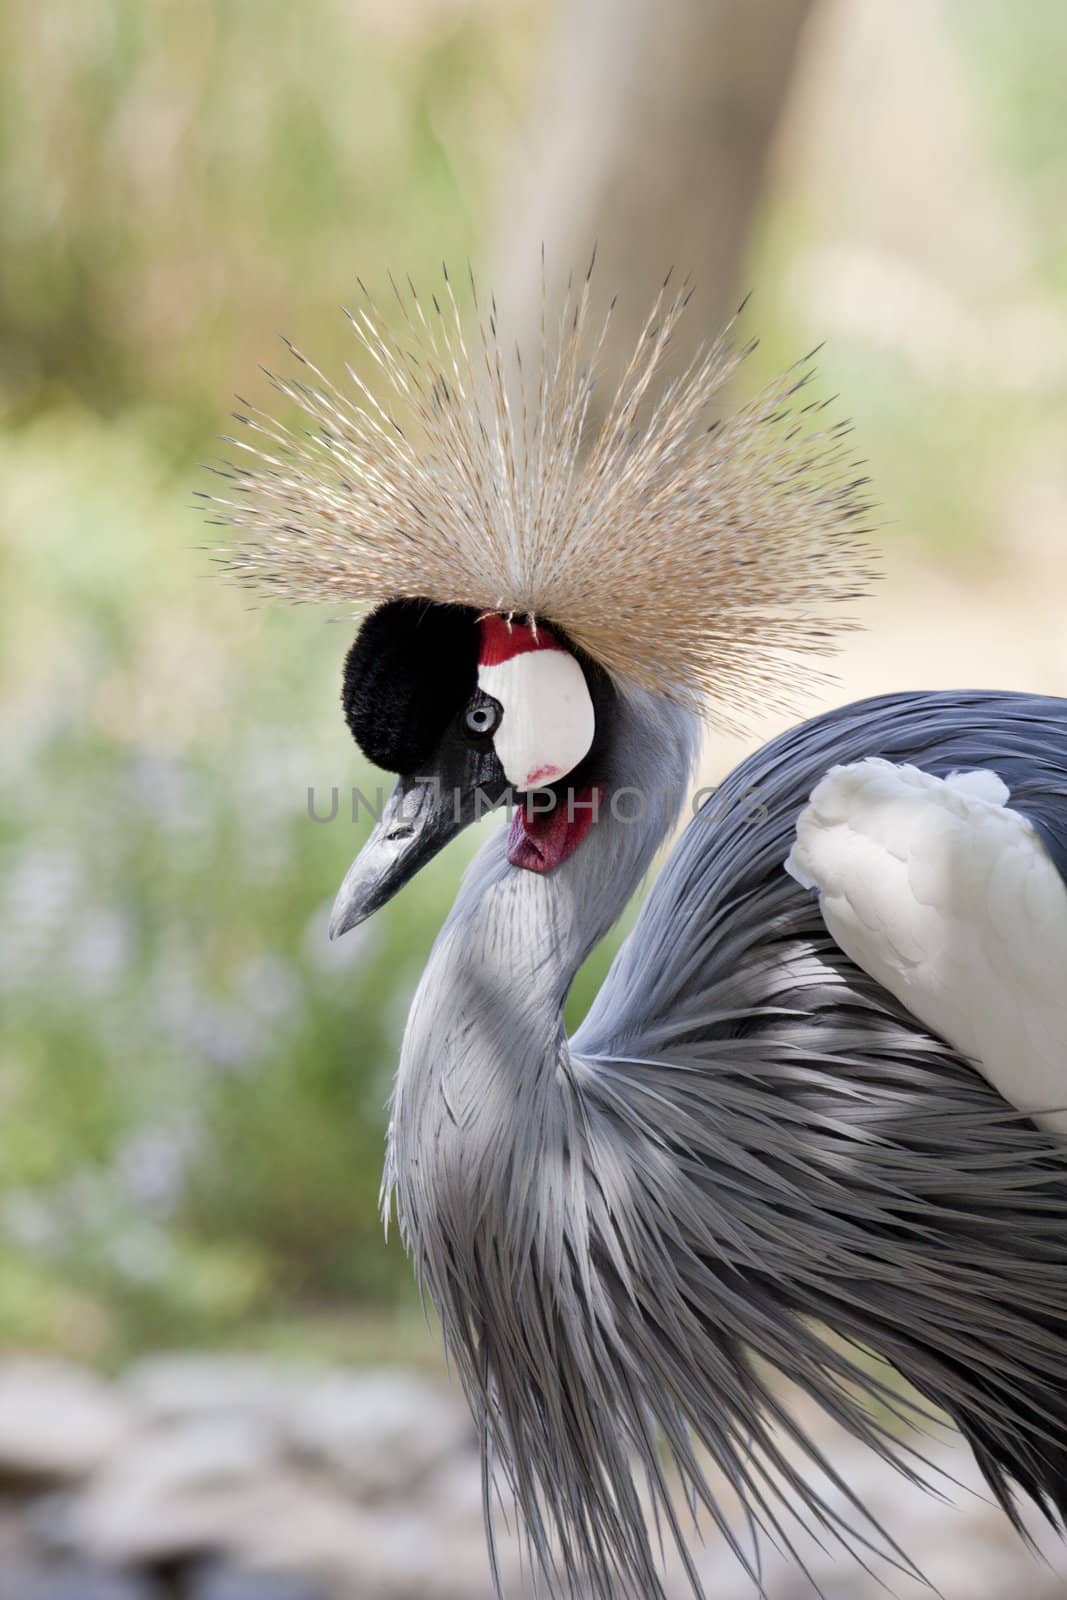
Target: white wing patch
<point>948,897</point>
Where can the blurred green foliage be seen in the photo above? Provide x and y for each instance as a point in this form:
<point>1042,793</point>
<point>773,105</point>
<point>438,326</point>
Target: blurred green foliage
<point>174,176</point>
<point>192,1079</point>
<point>1014,61</point>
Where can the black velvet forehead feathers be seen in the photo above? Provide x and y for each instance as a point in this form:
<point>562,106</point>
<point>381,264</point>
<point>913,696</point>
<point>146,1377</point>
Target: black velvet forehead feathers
<point>412,668</point>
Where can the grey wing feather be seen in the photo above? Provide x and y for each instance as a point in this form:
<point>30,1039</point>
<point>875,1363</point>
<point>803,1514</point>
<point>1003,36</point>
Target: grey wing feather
<point>721,889</point>
<point>806,1153</point>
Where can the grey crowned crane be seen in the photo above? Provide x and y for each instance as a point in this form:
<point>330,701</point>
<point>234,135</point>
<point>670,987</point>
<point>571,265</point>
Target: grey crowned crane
<point>813,1116</point>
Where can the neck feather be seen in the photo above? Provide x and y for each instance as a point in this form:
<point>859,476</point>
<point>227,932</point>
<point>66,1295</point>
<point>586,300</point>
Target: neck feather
<point>486,1121</point>
<point>485,1031</point>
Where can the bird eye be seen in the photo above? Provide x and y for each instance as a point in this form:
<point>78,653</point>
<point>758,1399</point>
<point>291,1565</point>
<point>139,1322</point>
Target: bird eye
<point>483,717</point>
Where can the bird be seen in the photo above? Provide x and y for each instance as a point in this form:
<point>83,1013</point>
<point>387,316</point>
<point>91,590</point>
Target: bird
<point>810,1128</point>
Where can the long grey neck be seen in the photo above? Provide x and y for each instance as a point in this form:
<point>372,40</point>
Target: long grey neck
<point>487,1016</point>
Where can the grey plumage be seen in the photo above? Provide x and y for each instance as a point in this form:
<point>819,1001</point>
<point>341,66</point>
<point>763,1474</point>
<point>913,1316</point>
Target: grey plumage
<point>747,1141</point>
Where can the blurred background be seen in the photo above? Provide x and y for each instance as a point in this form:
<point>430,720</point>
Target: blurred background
<point>192,1079</point>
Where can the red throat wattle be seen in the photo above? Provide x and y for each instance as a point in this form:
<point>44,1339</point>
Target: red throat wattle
<point>538,841</point>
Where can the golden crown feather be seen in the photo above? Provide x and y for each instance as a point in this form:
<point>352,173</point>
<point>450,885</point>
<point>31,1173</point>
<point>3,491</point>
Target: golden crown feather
<point>700,556</point>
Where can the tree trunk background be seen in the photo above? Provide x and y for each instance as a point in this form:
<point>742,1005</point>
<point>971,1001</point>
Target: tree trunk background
<point>650,140</point>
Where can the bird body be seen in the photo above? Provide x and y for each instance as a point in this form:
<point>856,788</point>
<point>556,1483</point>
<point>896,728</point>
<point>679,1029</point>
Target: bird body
<point>791,1138</point>
<point>747,1132</point>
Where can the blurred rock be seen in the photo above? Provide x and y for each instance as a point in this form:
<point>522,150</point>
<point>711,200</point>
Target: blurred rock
<point>74,1581</point>
<point>173,1492</point>
<point>381,1431</point>
<point>392,1551</point>
<point>169,1388</point>
<point>226,1479</point>
<point>454,1491</point>
<point>14,1541</point>
<point>57,1423</point>
<point>276,1524</point>
<point>227,1583</point>
<point>48,1521</point>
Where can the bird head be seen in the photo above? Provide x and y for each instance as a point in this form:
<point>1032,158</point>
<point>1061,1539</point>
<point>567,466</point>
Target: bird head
<point>519,575</point>
<point>471,712</point>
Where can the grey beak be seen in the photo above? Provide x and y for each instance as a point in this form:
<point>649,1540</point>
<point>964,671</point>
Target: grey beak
<point>417,820</point>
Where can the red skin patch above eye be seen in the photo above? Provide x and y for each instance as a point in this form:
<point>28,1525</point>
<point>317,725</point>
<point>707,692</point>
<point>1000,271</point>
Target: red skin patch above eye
<point>540,841</point>
<point>501,640</point>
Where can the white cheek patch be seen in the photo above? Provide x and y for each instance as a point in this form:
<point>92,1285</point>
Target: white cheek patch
<point>548,721</point>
